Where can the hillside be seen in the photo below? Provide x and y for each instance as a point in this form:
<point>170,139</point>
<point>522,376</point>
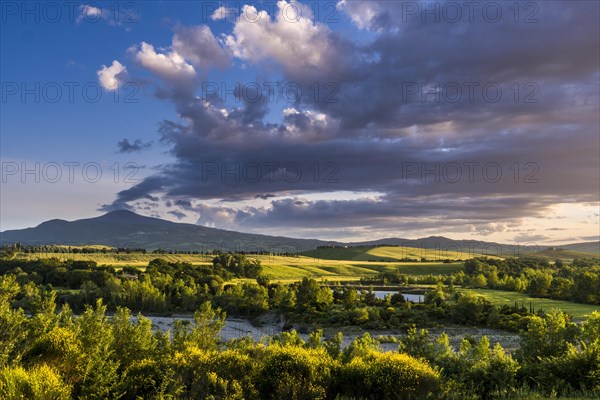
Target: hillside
<point>389,253</point>
<point>564,254</point>
<point>127,229</point>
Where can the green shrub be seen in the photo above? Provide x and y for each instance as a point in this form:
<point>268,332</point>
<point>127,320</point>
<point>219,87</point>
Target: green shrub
<point>295,373</point>
<point>38,383</point>
<point>387,376</point>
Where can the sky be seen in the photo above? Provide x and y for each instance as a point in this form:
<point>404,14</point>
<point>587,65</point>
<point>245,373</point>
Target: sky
<point>344,120</point>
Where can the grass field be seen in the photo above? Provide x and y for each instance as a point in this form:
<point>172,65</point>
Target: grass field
<point>578,311</point>
<point>564,255</point>
<point>387,253</point>
<point>353,270</point>
<point>120,260</point>
<point>281,268</point>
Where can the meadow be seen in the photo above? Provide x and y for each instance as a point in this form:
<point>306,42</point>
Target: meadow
<point>388,253</point>
<point>278,268</point>
<point>499,297</point>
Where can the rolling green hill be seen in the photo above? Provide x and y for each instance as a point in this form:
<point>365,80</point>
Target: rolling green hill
<point>281,268</point>
<point>387,253</point>
<point>564,254</point>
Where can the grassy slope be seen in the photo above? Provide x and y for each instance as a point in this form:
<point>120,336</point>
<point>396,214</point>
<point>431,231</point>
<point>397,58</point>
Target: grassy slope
<point>564,255</point>
<point>120,260</point>
<point>276,267</point>
<point>386,253</point>
<point>578,311</point>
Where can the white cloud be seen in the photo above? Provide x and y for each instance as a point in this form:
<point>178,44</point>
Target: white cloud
<point>291,39</point>
<point>90,13</point>
<point>362,13</point>
<point>169,66</point>
<point>308,125</point>
<point>111,77</point>
<point>200,47</point>
<point>222,13</point>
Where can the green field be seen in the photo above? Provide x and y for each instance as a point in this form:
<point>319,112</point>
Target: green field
<point>564,255</point>
<point>386,253</point>
<point>498,297</point>
<point>281,268</point>
<point>350,270</point>
<point>120,260</point>
<point>294,268</point>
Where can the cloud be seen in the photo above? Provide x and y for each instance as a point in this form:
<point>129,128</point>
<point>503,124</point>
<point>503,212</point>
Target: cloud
<point>199,46</point>
<point>183,203</point>
<point>264,196</point>
<point>178,214</point>
<point>125,147</point>
<point>530,238</point>
<point>222,13</point>
<point>170,66</point>
<point>392,112</point>
<point>112,77</point>
<point>90,13</point>
<point>365,14</point>
<point>290,38</point>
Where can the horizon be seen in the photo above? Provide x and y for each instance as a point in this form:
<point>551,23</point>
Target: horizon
<point>333,120</point>
<point>342,242</point>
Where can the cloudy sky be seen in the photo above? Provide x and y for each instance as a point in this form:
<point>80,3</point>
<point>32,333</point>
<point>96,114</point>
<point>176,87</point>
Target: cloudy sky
<point>333,119</point>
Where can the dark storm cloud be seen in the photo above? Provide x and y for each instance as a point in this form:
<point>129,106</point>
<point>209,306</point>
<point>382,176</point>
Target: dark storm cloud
<point>178,214</point>
<point>183,203</point>
<point>395,118</point>
<point>125,146</point>
<point>265,196</point>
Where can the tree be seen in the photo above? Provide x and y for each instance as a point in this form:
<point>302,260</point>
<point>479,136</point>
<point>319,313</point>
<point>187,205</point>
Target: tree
<point>311,296</point>
<point>283,298</point>
<point>479,281</point>
<point>208,323</point>
<point>547,336</point>
<point>349,298</point>
<point>12,323</point>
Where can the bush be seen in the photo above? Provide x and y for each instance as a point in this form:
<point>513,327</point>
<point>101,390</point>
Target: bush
<point>40,382</point>
<point>210,374</point>
<point>295,373</point>
<point>387,376</point>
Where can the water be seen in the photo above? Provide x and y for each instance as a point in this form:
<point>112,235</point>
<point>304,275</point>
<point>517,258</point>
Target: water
<point>234,327</point>
<point>415,298</point>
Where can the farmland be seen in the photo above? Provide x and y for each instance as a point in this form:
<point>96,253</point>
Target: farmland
<point>388,253</point>
<point>285,268</point>
<point>499,297</point>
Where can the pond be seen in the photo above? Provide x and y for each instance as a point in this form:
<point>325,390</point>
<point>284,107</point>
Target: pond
<point>413,297</point>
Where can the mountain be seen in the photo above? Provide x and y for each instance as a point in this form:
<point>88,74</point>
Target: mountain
<point>127,229</point>
<point>586,247</point>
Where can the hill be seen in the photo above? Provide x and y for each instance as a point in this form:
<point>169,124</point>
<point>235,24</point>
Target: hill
<point>445,245</point>
<point>586,247</point>
<point>564,254</point>
<point>127,229</point>
<point>390,253</point>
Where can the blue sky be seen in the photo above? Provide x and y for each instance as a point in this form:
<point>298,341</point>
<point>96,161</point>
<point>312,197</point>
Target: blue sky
<point>431,118</point>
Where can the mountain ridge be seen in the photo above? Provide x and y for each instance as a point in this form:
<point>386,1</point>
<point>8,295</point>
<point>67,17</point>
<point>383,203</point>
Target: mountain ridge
<point>124,228</point>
